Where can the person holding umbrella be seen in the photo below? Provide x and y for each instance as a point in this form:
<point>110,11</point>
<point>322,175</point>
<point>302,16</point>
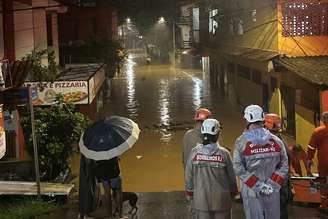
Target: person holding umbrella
<point>108,173</point>
<point>100,146</point>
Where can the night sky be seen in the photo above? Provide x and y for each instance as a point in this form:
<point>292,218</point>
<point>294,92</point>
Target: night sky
<point>145,12</point>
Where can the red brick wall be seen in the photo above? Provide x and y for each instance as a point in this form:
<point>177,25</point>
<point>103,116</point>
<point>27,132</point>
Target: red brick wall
<point>2,44</point>
<point>86,23</point>
<point>9,33</point>
<point>114,24</point>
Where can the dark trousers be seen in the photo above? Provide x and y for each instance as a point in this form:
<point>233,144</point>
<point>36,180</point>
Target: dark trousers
<point>285,198</point>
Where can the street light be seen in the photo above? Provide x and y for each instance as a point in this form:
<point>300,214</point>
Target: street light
<point>173,33</point>
<point>128,20</point>
<point>161,21</point>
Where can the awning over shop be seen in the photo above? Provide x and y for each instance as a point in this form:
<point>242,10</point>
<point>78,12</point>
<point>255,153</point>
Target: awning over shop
<point>79,72</point>
<point>250,53</point>
<point>313,69</point>
<point>258,59</point>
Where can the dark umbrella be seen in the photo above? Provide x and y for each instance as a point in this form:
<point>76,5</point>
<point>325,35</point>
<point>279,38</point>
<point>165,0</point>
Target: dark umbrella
<point>109,138</point>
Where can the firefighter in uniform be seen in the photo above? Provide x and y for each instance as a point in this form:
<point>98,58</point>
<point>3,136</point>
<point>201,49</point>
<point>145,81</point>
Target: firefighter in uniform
<point>209,176</point>
<point>194,136</point>
<point>260,160</point>
<point>273,123</point>
<point>319,141</point>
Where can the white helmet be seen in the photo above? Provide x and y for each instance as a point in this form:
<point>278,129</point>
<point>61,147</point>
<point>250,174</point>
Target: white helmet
<point>253,113</point>
<point>210,126</point>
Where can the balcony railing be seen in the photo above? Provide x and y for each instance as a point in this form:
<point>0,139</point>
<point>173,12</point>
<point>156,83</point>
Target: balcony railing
<point>186,45</point>
<point>187,20</point>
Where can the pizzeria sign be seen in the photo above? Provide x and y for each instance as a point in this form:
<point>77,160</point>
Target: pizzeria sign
<point>72,91</point>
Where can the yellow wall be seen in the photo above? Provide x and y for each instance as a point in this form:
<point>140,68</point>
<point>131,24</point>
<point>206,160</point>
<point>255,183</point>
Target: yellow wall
<point>303,122</point>
<point>304,125</point>
<point>275,102</point>
<point>248,92</point>
<point>304,129</point>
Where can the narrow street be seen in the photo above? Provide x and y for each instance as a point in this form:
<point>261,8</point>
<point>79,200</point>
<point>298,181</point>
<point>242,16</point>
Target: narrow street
<point>66,66</point>
<point>162,100</point>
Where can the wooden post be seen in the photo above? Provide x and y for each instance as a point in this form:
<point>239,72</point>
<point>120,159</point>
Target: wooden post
<point>35,146</point>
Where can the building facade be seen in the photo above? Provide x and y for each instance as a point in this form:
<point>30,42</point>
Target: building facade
<point>28,25</point>
<point>271,53</point>
<point>84,21</point>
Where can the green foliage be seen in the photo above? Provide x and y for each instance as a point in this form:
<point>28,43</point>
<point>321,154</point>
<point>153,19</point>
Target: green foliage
<point>40,72</point>
<point>24,208</point>
<point>98,50</point>
<point>58,128</point>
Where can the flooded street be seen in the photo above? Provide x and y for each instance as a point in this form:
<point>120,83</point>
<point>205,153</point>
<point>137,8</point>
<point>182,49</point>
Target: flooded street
<point>74,74</point>
<point>162,100</point>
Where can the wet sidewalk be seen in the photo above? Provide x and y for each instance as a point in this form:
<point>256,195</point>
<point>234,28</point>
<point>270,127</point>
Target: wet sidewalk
<point>173,205</point>
<point>162,100</point>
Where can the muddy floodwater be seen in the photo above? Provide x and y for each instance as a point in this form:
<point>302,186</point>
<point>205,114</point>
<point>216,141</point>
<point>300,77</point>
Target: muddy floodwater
<point>162,100</point>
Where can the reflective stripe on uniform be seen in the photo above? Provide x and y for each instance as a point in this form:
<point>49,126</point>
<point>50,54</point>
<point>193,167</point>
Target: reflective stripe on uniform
<point>277,178</point>
<point>251,181</point>
<point>189,193</point>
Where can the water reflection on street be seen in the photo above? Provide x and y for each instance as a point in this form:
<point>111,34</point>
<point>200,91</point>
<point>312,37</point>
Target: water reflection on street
<point>162,100</point>
<point>132,102</point>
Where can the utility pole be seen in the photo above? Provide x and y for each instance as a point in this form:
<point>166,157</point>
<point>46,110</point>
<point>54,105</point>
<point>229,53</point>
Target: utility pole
<point>35,146</point>
<point>173,33</point>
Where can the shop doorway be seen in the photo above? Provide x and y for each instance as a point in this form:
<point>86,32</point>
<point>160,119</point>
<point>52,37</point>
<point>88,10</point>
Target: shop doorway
<point>288,109</point>
<point>265,97</point>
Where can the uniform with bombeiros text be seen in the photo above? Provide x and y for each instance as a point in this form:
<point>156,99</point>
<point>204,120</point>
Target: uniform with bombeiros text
<point>210,180</point>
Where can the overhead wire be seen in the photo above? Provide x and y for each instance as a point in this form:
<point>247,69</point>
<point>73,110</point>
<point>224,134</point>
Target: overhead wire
<point>274,7</point>
<point>232,12</point>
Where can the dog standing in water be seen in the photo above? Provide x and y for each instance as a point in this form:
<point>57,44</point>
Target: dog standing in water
<point>132,197</point>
